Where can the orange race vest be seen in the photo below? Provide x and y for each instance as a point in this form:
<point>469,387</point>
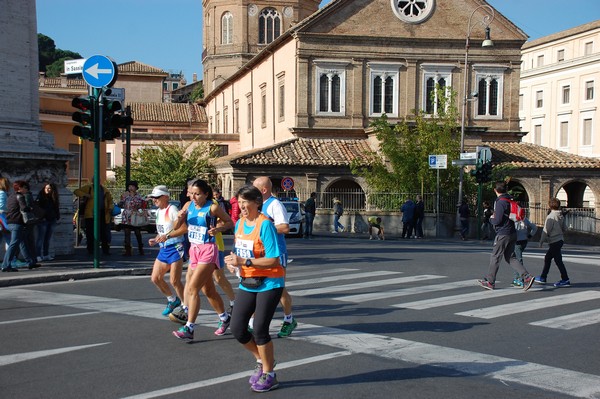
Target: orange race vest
<point>251,246</point>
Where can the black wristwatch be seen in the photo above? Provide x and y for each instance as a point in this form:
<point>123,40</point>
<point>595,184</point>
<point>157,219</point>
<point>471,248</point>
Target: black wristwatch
<point>248,262</point>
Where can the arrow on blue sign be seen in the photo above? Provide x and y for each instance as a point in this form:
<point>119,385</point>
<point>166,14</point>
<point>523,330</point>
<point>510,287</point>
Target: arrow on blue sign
<point>99,71</point>
<point>432,160</point>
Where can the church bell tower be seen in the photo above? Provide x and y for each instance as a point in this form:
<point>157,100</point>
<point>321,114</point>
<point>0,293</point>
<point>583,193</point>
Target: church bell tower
<point>237,30</point>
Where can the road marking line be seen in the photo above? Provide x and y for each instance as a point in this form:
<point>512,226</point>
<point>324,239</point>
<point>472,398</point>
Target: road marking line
<point>527,306</point>
<point>366,284</point>
<point>35,319</point>
<point>345,276</point>
<point>571,321</point>
<point>235,376</point>
<point>536,375</point>
<point>372,296</point>
<point>320,271</point>
<point>21,357</point>
<point>455,299</point>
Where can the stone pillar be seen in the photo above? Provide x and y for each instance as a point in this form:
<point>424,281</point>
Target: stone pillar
<point>26,151</point>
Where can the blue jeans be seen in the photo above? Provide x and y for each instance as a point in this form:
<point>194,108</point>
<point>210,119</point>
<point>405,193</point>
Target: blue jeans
<point>519,249</point>
<point>18,237</point>
<point>336,223</point>
<point>309,218</point>
<point>44,235</point>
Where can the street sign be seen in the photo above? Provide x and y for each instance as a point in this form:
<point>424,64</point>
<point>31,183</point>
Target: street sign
<point>99,71</point>
<point>485,153</point>
<point>287,183</point>
<point>468,155</point>
<point>464,162</point>
<point>438,161</point>
<point>116,94</point>
<point>74,66</point>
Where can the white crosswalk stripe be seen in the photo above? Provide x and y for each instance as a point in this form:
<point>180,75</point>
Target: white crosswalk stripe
<point>456,299</point>
<point>533,304</point>
<point>365,284</point>
<point>345,276</point>
<point>571,321</point>
<point>375,296</point>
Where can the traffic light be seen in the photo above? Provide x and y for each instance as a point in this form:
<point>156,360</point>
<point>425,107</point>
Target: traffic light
<point>113,120</point>
<point>486,172</point>
<point>84,117</point>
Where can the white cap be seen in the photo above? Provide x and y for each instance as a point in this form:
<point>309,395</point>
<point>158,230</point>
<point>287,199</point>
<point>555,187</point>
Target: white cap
<point>159,191</point>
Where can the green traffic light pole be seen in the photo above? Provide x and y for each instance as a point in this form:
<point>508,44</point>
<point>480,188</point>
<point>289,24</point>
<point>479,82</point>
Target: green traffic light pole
<point>97,132</point>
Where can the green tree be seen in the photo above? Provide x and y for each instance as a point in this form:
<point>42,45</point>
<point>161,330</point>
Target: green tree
<point>197,93</point>
<point>51,58</point>
<point>401,163</point>
<point>169,164</point>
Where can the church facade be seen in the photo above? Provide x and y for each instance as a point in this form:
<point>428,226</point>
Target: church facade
<point>302,95</point>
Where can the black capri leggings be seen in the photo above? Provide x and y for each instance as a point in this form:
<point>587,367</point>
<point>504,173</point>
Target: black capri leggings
<point>262,305</point>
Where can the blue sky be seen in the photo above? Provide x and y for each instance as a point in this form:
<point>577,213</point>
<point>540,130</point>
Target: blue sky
<point>168,34</point>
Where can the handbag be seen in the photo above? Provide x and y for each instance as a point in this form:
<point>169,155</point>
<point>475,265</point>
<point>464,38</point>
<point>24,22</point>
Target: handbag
<point>139,219</point>
<point>116,210</point>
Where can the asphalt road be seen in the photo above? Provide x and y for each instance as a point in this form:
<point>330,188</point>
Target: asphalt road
<point>383,319</point>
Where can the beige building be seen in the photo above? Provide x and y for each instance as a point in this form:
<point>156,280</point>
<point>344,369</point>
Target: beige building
<point>558,98</point>
<point>335,71</point>
<point>559,103</point>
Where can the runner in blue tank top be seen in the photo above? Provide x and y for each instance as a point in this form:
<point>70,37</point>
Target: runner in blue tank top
<point>204,255</point>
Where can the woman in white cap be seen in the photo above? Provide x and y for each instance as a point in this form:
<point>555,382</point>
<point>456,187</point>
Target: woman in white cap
<point>170,255</point>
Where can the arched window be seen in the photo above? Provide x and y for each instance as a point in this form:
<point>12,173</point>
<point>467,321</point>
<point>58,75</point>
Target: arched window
<point>227,28</point>
<point>269,26</point>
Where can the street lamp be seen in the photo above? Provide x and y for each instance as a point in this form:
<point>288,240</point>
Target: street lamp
<point>487,19</point>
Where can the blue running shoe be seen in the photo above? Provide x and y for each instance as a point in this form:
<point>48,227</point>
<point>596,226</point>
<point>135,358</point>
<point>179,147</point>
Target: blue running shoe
<point>563,283</point>
<point>540,280</point>
<point>171,306</point>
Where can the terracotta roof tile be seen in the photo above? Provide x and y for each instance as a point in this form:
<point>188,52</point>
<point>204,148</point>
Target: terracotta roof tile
<point>303,152</point>
<point>138,67</point>
<point>527,155</point>
<point>168,112</point>
<point>341,152</point>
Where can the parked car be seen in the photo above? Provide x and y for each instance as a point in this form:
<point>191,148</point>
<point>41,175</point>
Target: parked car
<point>295,212</point>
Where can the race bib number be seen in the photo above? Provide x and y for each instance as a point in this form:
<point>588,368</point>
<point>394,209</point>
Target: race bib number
<point>244,248</point>
<point>197,234</point>
<point>160,229</point>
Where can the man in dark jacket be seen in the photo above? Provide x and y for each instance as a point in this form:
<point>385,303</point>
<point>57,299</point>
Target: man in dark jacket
<point>310,208</point>
<point>504,244</point>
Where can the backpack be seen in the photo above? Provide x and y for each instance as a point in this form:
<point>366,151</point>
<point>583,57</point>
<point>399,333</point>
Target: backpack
<point>517,214</point>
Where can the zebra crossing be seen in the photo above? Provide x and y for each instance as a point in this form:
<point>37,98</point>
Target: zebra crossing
<point>374,284</point>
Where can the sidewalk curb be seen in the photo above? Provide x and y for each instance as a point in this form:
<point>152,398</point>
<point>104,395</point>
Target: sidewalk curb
<point>73,275</point>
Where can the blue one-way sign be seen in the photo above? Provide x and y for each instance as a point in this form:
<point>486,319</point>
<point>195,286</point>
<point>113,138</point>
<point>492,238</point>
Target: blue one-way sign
<point>98,71</point>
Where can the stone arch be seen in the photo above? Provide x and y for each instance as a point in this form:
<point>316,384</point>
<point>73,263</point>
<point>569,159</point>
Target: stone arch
<point>579,194</point>
<point>348,190</point>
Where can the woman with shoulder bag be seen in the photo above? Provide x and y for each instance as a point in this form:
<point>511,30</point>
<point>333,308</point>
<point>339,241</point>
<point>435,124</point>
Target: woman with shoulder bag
<point>15,207</point>
<point>134,214</point>
<point>47,200</point>
<point>4,233</point>
<point>256,261</point>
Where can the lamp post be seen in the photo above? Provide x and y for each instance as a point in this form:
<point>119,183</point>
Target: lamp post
<point>487,19</point>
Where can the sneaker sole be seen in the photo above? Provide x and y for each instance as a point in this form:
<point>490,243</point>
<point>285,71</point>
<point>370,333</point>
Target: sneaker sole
<point>487,287</point>
<point>176,320</point>
<point>182,338</point>
<point>528,285</point>
<point>265,390</point>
